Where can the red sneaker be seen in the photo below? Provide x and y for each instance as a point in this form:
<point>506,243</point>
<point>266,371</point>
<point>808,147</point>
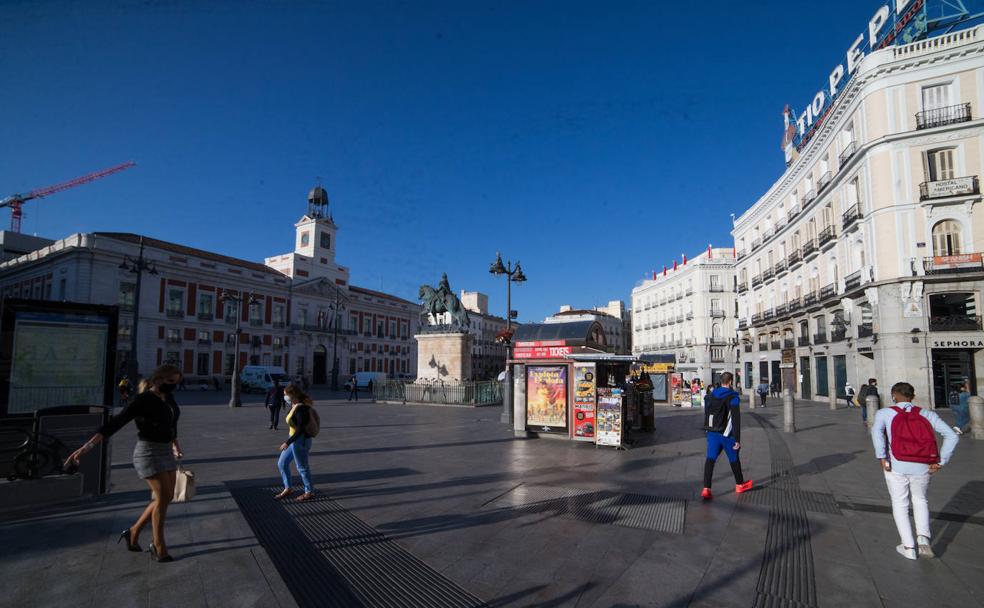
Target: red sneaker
<point>706,494</point>
<point>743,487</point>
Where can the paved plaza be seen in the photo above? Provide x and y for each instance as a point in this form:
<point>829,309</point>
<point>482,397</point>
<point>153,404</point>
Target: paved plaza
<point>424,506</point>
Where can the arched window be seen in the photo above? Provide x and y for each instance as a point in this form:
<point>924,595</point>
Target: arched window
<point>946,238</point>
<point>716,331</point>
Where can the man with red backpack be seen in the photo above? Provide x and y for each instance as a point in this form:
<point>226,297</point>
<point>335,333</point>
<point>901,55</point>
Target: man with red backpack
<point>906,445</point>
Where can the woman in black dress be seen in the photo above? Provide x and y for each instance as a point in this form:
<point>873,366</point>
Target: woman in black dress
<point>155,454</point>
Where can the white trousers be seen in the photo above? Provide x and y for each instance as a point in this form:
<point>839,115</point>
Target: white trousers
<point>906,489</point>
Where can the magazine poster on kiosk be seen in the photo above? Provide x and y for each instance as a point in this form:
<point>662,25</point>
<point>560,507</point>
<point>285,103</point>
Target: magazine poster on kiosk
<point>610,424</point>
<point>676,388</point>
<point>546,398</point>
<point>584,401</point>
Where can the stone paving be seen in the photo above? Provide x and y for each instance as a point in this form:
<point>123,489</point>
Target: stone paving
<point>435,485</point>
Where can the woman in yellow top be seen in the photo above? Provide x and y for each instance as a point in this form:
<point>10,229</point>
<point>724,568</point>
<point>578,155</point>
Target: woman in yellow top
<point>298,443</point>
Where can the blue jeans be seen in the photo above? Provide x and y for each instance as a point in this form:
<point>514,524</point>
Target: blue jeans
<point>962,413</point>
<point>297,452</point>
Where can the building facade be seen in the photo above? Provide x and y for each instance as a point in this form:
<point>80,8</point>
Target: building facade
<point>488,354</point>
<point>863,259</point>
<point>302,310</point>
<point>689,312</point>
<point>612,318</point>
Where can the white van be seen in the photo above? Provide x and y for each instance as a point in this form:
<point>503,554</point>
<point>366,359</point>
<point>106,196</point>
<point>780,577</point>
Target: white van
<point>259,378</point>
<point>362,379</point>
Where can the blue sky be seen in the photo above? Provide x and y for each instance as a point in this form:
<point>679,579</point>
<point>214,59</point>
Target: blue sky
<point>592,141</point>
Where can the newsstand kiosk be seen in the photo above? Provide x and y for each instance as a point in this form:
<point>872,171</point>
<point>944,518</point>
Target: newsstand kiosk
<point>568,386</point>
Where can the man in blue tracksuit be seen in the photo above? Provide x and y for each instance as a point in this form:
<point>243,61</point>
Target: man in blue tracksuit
<point>722,421</point>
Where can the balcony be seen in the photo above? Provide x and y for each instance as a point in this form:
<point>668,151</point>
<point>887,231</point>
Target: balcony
<point>824,180</point>
<point>803,341</point>
<point>173,339</point>
<point>743,324</point>
<point>837,335</point>
<point>947,264</point>
<point>763,346</point>
<point>768,315</point>
<point>756,318</point>
<point>809,300</point>
<point>789,343</point>
<point>205,315</point>
<point>828,291</point>
<point>278,347</point>
<point>230,320</point>
<point>809,249</point>
<point>766,234</point>
<point>782,310</point>
<point>848,152</point>
<point>662,322</point>
<point>176,313</point>
<point>946,188</point>
<point>741,253</point>
<point>768,274</point>
<point>820,338</point>
<point>689,316</point>
<point>748,348</point>
<point>865,331</point>
<point>795,258</point>
<point>852,281</point>
<point>809,196</point>
<point>126,307</point>
<point>742,287</point>
<point>851,216</point>
<point>717,357</point>
<point>939,117</point>
<point>780,268</point>
<point>278,324</point>
<point>689,292</point>
<point>716,288</point>
<point>827,235</point>
<point>231,340</point>
<point>775,345</point>
<point>794,211</point>
<point>756,244</point>
<point>794,305</point>
<point>255,342</point>
<point>756,281</point>
<point>679,318</point>
<point>955,323</point>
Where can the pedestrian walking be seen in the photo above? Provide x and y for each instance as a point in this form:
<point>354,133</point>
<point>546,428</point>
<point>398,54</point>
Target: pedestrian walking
<point>849,394</point>
<point>303,423</point>
<point>154,456</point>
<point>774,388</point>
<point>763,391</point>
<point>722,423</point>
<point>961,410</point>
<point>904,442</point>
<point>353,388</point>
<point>869,389</point>
<point>274,402</point>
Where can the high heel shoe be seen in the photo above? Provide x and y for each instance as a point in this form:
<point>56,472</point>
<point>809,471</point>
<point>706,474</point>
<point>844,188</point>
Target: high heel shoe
<point>130,546</point>
<point>161,559</point>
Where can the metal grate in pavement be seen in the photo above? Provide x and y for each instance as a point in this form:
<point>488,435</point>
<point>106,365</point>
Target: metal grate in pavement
<point>818,502</point>
<point>329,557</point>
<point>639,511</point>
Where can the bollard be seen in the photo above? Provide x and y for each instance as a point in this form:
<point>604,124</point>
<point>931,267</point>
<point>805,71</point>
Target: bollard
<point>789,422</point>
<point>976,416</point>
<point>871,402</point>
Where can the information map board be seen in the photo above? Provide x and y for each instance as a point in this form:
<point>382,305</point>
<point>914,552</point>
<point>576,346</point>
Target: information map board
<point>609,418</point>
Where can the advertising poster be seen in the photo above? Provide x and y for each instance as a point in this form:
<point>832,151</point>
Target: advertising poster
<point>584,401</point>
<point>609,417</point>
<point>546,398</point>
<point>57,359</point>
<point>676,388</point>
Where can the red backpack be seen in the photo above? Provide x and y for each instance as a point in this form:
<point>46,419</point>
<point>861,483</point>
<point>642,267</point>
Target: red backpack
<point>913,439</point>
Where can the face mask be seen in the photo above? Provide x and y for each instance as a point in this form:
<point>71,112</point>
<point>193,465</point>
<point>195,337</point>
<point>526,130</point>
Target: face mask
<point>167,388</point>
<point>286,399</point>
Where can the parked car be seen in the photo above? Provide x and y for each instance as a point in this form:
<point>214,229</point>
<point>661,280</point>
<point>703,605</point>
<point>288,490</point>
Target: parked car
<point>259,378</point>
<point>364,378</point>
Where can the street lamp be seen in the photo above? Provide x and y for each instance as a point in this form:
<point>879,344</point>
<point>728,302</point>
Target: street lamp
<point>137,267</point>
<point>513,275</point>
<point>250,298</point>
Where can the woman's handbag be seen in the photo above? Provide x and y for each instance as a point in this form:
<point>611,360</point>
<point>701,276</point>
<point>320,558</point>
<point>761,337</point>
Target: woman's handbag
<point>184,485</point>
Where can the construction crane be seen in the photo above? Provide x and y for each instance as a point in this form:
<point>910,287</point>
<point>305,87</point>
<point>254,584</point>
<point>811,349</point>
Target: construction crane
<point>16,201</point>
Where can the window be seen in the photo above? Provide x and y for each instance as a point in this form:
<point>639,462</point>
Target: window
<point>379,328</point>
<point>936,96</point>
<point>278,315</point>
<point>172,358</point>
<point>62,289</point>
<point>202,367</point>
<point>940,164</point>
<point>821,326</point>
<point>305,239</point>
<point>946,238</point>
<point>392,329</point>
<point>299,367</point>
<point>206,305</point>
<point>231,311</point>
<point>127,294</point>
<point>325,240</point>
<point>804,327</point>
<point>204,337</point>
<point>175,302</point>
<point>854,192</point>
<point>256,313</point>
<point>173,335</point>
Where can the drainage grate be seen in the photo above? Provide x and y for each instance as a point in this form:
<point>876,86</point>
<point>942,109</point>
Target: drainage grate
<point>818,502</point>
<point>329,557</point>
<point>639,511</point>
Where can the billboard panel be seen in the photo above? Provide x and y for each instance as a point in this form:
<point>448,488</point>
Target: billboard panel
<point>546,398</point>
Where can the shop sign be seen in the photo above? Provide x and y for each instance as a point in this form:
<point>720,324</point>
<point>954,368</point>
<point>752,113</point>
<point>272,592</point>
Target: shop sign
<point>956,262</point>
<point>540,343</point>
<point>584,400</point>
<point>656,368</point>
<point>950,187</point>
<point>788,356</point>
<point>546,398</point>
<point>541,352</point>
<point>958,342</point>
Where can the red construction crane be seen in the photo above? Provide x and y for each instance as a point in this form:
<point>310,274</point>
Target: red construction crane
<point>16,201</point>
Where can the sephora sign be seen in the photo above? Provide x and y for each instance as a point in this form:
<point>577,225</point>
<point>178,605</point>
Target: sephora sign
<point>897,21</point>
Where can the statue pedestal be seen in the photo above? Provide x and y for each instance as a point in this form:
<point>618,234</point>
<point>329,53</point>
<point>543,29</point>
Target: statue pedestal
<point>444,357</point>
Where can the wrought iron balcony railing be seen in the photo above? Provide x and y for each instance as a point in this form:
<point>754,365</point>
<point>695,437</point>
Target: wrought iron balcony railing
<point>938,117</point>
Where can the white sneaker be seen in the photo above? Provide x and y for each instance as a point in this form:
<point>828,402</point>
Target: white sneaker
<point>925,550</point>
<point>958,430</point>
<point>907,552</point>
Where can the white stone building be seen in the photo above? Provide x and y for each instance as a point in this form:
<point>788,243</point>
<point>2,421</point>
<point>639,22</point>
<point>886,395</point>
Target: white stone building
<point>183,320</point>
<point>488,355</point>
<point>611,317</point>
<point>689,312</point>
<point>864,258</point>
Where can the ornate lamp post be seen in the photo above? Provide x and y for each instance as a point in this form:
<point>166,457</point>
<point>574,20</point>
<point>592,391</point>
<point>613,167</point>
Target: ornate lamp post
<point>513,275</point>
<point>250,298</point>
<point>137,267</point>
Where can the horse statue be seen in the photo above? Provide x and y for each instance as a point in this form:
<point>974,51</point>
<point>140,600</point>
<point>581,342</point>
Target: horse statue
<point>442,300</point>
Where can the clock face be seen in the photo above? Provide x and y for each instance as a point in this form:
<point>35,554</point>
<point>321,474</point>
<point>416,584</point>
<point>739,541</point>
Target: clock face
<point>305,239</point>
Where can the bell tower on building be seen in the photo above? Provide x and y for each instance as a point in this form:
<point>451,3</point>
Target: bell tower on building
<point>314,244</point>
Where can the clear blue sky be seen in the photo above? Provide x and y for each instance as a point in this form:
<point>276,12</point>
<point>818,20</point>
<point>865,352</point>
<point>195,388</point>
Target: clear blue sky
<point>593,141</point>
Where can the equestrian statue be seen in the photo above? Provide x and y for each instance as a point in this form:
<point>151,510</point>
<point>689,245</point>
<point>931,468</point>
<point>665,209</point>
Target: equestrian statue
<point>442,300</point>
